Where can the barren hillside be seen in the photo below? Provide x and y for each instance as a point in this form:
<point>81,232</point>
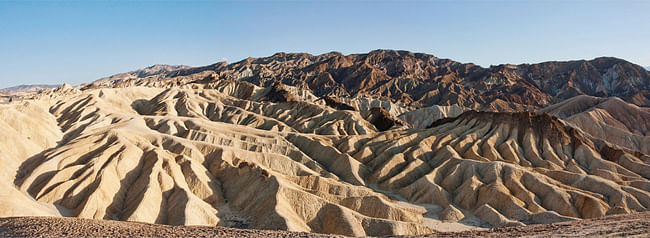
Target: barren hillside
<point>268,150</point>
<point>609,119</point>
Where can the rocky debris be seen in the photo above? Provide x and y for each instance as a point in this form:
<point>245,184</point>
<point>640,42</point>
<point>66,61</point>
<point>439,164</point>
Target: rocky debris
<point>381,118</point>
<point>75,227</point>
<point>628,225</point>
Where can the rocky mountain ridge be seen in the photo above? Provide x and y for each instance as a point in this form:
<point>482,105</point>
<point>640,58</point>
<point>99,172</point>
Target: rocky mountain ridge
<point>424,80</point>
<point>156,69</point>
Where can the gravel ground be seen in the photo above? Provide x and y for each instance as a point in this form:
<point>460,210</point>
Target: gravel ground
<point>75,227</point>
<point>629,225</point>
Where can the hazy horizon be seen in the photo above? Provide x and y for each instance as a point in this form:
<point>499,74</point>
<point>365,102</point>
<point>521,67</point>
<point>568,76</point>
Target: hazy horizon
<point>78,42</point>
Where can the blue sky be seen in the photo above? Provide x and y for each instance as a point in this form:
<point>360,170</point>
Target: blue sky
<point>75,42</point>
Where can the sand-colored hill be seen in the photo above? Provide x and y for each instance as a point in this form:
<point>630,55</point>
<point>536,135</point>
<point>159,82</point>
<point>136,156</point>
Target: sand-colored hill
<point>233,154</point>
<point>609,119</point>
<point>174,167</point>
<point>27,129</point>
<point>423,117</point>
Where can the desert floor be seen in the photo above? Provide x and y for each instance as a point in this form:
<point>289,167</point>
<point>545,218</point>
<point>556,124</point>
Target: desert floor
<point>629,225</point>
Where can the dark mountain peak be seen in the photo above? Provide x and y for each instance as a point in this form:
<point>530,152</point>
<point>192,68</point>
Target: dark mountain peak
<point>390,52</point>
<point>422,80</point>
<point>599,62</point>
<point>608,62</point>
<point>333,53</point>
<point>398,54</point>
<point>609,59</point>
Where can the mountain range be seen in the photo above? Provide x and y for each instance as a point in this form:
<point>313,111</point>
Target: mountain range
<point>26,88</point>
<point>425,80</point>
<point>383,143</point>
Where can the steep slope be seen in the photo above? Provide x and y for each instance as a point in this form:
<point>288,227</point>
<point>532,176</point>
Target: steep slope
<point>422,80</point>
<point>27,129</point>
<point>230,153</point>
<point>185,169</point>
<point>609,119</point>
<point>504,168</point>
<point>423,117</point>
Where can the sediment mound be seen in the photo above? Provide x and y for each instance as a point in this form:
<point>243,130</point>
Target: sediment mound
<point>610,119</point>
<point>224,154</point>
<point>384,143</point>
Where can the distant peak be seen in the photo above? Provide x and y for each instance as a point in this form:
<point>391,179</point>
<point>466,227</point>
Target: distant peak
<point>290,55</point>
<point>392,52</point>
<point>27,88</point>
<point>166,66</point>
